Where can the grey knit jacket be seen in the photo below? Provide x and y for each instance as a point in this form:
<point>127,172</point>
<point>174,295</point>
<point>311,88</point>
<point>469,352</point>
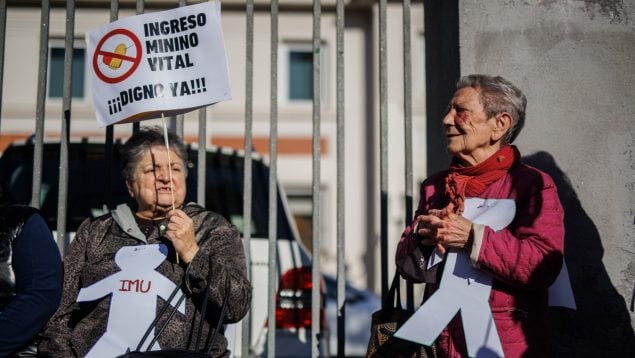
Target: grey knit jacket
<point>76,327</point>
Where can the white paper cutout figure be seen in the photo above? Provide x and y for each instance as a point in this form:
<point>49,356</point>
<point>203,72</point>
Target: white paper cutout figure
<point>133,303</point>
<point>464,288</point>
<point>561,292</point>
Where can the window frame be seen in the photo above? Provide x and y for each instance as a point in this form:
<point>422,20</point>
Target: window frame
<point>77,44</point>
<point>284,67</point>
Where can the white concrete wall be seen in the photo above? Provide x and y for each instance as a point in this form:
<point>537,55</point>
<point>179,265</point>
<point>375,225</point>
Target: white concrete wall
<point>574,61</point>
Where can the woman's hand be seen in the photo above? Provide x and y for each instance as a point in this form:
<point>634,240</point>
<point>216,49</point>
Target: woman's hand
<point>427,227</point>
<point>181,233</point>
<point>445,230</point>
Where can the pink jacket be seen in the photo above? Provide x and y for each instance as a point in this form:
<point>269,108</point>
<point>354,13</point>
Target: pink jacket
<point>524,259</point>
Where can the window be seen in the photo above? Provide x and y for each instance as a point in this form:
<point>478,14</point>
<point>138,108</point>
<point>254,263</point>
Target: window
<point>296,71</point>
<point>300,75</point>
<point>56,72</point>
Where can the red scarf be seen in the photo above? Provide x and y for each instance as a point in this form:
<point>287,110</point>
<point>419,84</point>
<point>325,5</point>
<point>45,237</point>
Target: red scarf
<point>471,181</point>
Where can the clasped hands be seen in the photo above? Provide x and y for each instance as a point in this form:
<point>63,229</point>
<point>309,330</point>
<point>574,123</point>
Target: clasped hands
<point>444,229</point>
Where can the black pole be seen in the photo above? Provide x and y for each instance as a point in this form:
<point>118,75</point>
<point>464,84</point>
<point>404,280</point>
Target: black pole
<point>441,18</point>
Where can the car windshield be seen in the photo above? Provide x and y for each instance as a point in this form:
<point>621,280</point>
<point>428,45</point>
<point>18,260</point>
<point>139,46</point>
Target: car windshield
<point>88,181</point>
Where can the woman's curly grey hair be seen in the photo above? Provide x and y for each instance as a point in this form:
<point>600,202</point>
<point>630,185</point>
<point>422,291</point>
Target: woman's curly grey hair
<point>499,95</point>
<point>144,139</point>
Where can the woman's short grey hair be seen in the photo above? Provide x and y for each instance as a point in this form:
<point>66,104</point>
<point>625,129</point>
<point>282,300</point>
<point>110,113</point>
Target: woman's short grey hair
<point>499,95</point>
<point>144,139</point>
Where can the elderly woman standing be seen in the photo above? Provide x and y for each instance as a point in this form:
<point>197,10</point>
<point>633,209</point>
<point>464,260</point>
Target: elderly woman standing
<point>98,315</point>
<point>523,257</point>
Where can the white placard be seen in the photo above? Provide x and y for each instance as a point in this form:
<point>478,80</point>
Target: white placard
<point>166,62</point>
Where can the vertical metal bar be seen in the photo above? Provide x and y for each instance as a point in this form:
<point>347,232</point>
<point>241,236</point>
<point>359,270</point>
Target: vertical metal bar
<point>407,104</point>
<point>41,99</point>
<point>383,148</point>
<point>172,124</point>
<point>202,155</point>
<point>202,158</point>
<point>341,210</point>
<point>3,31</point>
<point>114,10</point>
<point>110,132</point>
<point>179,124</point>
<point>62,194</point>
<point>247,186</point>
<point>201,179</point>
<point>273,203</point>
<point>316,276</point>
<point>140,8</point>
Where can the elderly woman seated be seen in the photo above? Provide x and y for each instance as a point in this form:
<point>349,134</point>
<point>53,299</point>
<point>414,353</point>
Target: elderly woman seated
<point>123,267</point>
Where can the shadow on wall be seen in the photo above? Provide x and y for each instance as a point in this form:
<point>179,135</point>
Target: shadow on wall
<point>601,326</point>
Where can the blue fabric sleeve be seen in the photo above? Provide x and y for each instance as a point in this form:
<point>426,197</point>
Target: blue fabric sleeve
<point>38,270</point>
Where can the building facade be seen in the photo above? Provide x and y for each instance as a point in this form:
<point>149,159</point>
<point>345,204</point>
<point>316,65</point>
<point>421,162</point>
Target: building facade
<point>226,120</point>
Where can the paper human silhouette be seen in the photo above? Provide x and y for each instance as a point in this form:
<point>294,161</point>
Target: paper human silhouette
<point>133,303</point>
<point>467,289</point>
<point>464,288</point>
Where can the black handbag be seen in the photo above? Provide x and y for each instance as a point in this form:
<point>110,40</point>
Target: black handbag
<point>177,352</point>
<point>385,322</point>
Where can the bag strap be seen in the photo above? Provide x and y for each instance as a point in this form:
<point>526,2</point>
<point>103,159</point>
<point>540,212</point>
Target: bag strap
<point>204,308</point>
<point>210,344</point>
<point>221,316</point>
<point>394,293</point>
<point>165,323</point>
<point>219,323</point>
<point>156,319</point>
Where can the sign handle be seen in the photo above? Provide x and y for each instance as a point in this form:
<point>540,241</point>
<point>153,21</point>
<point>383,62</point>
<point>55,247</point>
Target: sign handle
<point>167,148</point>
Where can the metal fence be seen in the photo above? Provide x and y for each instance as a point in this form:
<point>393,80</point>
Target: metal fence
<point>177,124</point>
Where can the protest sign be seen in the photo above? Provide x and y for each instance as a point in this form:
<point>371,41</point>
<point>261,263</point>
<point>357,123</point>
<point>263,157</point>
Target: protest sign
<point>162,63</point>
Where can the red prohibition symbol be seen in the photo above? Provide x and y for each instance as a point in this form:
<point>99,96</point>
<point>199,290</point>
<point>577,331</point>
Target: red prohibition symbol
<point>115,58</point>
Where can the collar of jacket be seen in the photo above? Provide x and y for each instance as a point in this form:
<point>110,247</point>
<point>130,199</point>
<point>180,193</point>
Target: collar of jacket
<point>124,217</point>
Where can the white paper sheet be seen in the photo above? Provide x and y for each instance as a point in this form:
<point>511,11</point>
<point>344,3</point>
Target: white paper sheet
<point>561,292</point>
<point>133,303</point>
